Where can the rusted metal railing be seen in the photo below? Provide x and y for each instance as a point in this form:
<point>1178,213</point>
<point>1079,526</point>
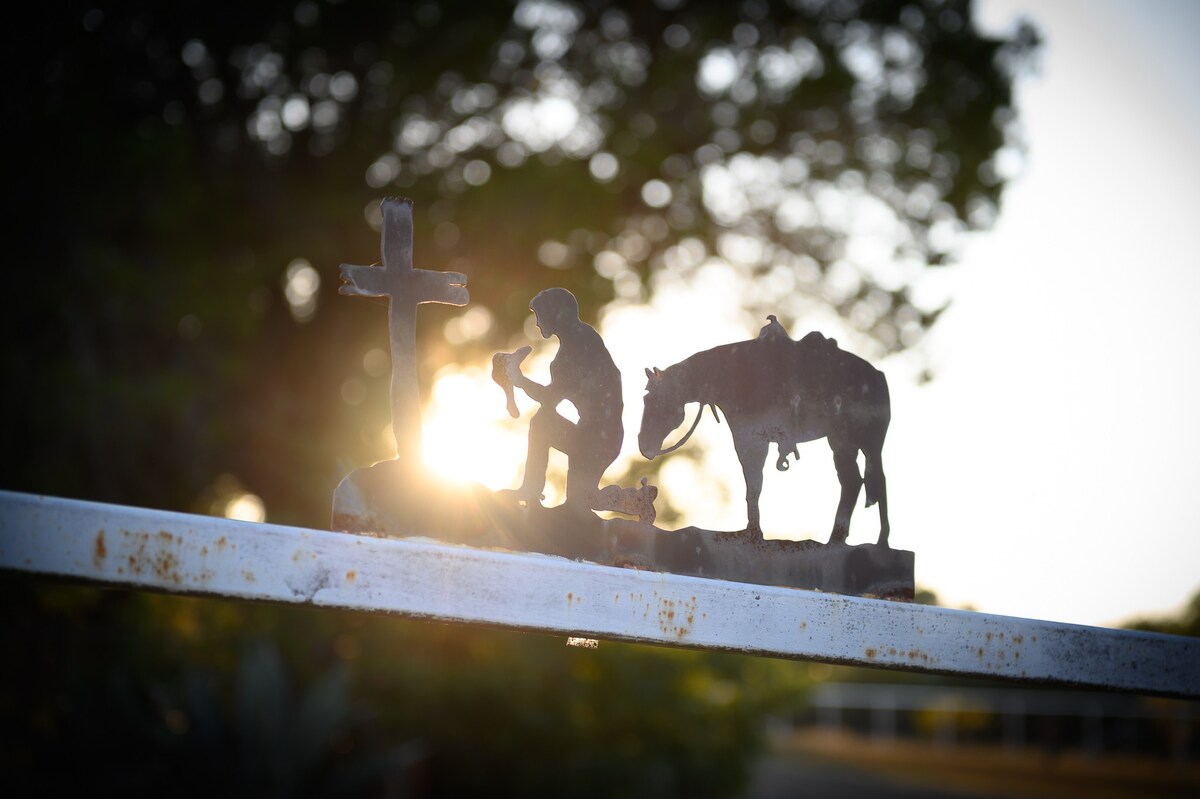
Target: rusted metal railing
<point>419,578</point>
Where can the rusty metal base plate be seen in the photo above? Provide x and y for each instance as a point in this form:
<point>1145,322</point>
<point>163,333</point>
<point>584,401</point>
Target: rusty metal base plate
<point>860,570</point>
<point>389,500</point>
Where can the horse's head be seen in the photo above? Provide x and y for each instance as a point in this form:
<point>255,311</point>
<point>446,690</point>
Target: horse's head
<point>662,413</point>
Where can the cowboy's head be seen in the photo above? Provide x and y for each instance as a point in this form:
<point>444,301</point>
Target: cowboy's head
<point>554,309</point>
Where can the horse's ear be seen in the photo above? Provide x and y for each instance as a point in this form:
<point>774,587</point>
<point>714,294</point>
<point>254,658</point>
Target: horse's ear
<point>657,372</point>
<point>650,375</point>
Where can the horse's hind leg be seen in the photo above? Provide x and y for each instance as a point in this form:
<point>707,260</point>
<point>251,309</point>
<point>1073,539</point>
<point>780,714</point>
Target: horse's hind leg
<point>845,460</point>
<point>877,492</point>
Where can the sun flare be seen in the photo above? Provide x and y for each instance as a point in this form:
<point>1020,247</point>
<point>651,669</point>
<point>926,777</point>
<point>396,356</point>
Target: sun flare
<point>467,436</point>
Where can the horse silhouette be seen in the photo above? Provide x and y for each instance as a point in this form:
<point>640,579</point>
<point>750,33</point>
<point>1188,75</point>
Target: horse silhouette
<point>775,389</point>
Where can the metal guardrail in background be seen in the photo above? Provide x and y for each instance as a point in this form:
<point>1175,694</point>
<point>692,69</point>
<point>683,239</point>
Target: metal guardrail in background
<point>420,578</point>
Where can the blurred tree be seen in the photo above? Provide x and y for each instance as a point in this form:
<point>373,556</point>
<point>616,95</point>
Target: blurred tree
<point>1186,623</point>
<point>151,695</point>
<point>925,596</point>
<point>187,177</point>
<point>183,180</point>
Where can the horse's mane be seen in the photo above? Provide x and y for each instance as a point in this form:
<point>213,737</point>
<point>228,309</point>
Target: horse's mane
<point>704,361</point>
<point>692,371</point>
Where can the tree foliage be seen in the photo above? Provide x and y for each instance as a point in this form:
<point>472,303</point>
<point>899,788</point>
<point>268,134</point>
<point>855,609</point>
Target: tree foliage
<point>150,695</point>
<point>172,163</point>
<point>184,178</point>
<point>1186,623</point>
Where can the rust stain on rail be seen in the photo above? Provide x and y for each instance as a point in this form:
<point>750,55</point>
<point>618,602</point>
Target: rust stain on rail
<point>154,554</point>
<point>99,551</point>
<point>894,655</point>
<point>676,619</point>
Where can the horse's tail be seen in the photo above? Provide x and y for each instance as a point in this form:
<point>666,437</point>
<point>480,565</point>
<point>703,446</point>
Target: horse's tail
<point>874,480</point>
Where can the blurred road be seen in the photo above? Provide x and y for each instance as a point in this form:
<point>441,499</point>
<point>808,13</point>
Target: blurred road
<point>836,765</point>
<point>797,776</point>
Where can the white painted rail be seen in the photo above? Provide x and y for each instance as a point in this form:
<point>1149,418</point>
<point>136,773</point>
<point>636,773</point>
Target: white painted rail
<point>419,578</point>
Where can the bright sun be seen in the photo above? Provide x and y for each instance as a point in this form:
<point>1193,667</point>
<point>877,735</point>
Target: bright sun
<point>467,436</point>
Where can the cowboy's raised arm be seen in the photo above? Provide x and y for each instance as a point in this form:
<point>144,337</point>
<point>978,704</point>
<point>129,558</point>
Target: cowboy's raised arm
<point>544,395</point>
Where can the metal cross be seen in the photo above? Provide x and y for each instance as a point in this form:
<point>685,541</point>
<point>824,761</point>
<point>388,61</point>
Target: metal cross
<point>405,288</point>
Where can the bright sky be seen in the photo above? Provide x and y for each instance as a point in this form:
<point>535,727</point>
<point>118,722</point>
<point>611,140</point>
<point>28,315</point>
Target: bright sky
<point>1050,469</point>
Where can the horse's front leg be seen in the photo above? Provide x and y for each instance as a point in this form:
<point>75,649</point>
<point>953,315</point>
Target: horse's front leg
<point>751,446</point>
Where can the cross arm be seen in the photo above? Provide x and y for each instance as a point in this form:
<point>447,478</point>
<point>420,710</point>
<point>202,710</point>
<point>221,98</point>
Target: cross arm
<point>366,281</point>
<point>449,288</point>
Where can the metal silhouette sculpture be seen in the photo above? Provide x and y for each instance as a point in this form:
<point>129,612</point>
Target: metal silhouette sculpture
<point>775,390</point>
<point>770,389</point>
<point>378,496</point>
<point>582,373</point>
<point>405,288</point>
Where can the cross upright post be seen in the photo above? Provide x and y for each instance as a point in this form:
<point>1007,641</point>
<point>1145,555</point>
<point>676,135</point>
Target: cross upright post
<point>405,289</point>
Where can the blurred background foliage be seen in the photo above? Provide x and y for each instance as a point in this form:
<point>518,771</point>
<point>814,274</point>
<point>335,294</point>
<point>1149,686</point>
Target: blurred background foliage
<point>1186,623</point>
<point>183,180</point>
<point>148,694</point>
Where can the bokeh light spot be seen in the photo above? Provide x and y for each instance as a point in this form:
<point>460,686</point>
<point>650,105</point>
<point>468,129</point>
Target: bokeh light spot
<point>246,507</point>
<point>656,194</point>
<point>603,166</point>
<point>300,284</point>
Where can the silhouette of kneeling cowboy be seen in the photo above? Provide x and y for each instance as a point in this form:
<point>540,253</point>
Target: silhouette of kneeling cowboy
<point>583,373</point>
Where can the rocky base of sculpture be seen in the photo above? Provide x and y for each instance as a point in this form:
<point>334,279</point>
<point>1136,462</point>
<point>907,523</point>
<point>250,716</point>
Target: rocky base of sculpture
<point>859,570</point>
<point>388,499</point>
